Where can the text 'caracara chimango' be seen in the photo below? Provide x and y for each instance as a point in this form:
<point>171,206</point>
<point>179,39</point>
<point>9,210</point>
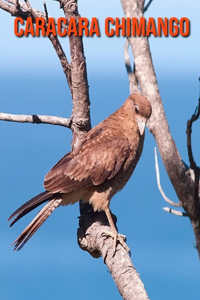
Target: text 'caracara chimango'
<point>96,170</point>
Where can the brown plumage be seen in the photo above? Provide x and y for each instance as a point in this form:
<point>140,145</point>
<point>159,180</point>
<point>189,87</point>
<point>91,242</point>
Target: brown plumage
<point>96,170</point>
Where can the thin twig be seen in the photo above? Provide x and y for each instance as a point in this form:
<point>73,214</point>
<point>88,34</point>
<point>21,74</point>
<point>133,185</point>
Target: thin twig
<point>38,119</point>
<point>63,59</point>
<point>30,9</point>
<point>126,57</point>
<point>46,11</point>
<point>24,12</point>
<point>57,46</point>
<point>193,164</point>
<point>175,212</point>
<point>147,5</point>
<point>22,5</point>
<point>159,185</point>
<point>131,73</point>
<point>13,10</point>
<point>194,117</point>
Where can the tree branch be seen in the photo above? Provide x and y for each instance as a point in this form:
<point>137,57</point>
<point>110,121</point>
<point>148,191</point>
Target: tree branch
<point>175,212</point>
<point>90,238</point>
<point>131,74</point>
<point>147,6</point>
<point>38,12</point>
<point>22,12</point>
<point>141,4</point>
<point>81,102</point>
<point>133,82</point>
<point>159,185</point>
<point>158,125</point>
<point>57,47</point>
<point>38,119</point>
<point>193,165</point>
<point>14,10</point>
<point>46,11</point>
<point>63,59</point>
<point>25,11</point>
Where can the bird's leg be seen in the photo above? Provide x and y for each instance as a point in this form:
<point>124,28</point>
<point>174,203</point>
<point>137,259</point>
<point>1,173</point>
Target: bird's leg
<point>114,234</point>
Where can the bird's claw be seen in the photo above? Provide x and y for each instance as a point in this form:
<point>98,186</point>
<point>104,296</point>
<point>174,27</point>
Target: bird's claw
<point>117,237</point>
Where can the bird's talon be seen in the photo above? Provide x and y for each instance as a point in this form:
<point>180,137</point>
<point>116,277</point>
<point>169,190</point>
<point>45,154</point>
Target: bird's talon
<point>117,237</point>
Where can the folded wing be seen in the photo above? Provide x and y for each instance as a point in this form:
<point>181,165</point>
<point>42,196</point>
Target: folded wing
<point>99,158</point>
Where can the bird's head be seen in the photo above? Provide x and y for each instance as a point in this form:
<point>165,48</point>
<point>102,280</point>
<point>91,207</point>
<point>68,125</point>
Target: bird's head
<point>143,110</point>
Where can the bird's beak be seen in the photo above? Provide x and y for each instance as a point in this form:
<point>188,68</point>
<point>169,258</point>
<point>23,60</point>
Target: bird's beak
<point>141,123</point>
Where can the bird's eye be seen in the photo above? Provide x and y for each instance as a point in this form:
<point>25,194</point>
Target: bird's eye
<point>137,109</point>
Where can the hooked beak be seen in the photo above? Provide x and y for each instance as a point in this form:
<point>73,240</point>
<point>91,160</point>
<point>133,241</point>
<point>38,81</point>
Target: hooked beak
<point>141,124</point>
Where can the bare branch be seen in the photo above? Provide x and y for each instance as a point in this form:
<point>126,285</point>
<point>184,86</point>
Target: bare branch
<point>158,125</point>
<point>35,13</point>
<point>131,73</point>
<point>120,266</point>
<point>22,5</point>
<point>62,57</point>
<point>126,58</point>
<point>193,165</point>
<point>57,46</point>
<point>175,212</point>
<point>194,117</point>
<point>159,185</point>
<point>81,102</point>
<point>39,13</point>
<point>14,10</point>
<point>38,119</point>
<point>46,11</point>
<point>147,6</point>
<point>142,7</point>
<point>141,4</point>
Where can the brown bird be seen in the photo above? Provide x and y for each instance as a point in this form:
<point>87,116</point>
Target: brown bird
<point>96,170</point>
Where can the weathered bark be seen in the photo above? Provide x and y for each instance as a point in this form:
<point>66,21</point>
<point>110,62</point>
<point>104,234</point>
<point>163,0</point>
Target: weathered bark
<point>90,238</point>
<point>158,124</point>
<point>80,89</point>
<point>36,119</point>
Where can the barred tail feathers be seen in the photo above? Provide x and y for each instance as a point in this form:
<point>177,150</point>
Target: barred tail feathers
<point>36,223</point>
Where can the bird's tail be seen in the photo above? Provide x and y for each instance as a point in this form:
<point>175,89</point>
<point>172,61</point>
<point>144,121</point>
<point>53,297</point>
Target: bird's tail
<point>53,202</point>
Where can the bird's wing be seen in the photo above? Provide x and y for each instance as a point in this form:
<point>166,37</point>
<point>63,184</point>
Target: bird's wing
<point>99,158</point>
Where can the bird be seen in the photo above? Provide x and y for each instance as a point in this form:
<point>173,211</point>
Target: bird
<point>95,170</point>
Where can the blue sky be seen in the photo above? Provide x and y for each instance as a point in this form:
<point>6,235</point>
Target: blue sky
<point>51,265</point>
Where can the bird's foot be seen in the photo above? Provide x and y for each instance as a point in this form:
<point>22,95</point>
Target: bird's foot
<point>117,237</point>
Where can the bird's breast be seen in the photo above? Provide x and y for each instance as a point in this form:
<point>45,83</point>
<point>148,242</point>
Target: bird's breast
<point>123,176</point>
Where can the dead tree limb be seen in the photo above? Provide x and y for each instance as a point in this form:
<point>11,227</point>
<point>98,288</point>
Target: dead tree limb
<point>131,73</point>
<point>158,124</point>
<point>36,119</point>
<point>193,164</point>
<point>175,212</point>
<point>159,184</point>
<point>80,92</point>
